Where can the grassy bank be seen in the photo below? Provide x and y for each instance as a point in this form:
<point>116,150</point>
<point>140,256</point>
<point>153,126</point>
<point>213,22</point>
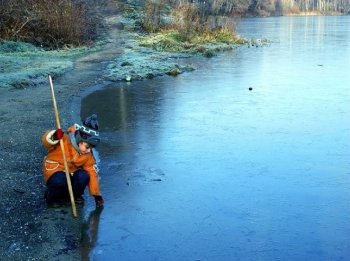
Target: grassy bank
<point>24,65</point>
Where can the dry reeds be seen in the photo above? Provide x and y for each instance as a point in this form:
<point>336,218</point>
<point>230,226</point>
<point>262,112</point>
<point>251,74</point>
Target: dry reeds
<point>153,12</point>
<point>189,18</point>
<point>51,24</point>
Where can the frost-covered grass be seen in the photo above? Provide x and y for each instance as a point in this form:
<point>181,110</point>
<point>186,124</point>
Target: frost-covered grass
<point>143,64</point>
<point>24,65</point>
<point>207,44</point>
<point>139,62</point>
<point>155,54</point>
<point>173,42</point>
<point>22,72</point>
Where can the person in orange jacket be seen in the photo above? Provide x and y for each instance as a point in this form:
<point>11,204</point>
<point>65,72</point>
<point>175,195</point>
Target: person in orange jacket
<point>79,140</point>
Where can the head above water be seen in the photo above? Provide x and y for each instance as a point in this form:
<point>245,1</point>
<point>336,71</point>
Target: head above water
<point>88,132</point>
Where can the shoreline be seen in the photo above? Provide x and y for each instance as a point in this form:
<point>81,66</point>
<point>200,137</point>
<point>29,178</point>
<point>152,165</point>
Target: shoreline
<point>30,230</point>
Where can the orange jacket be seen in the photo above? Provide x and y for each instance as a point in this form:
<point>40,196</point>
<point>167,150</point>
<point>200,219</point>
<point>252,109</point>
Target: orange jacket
<point>53,162</point>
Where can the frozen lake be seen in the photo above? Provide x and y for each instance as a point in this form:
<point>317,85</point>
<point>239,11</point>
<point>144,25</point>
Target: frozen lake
<point>198,167</point>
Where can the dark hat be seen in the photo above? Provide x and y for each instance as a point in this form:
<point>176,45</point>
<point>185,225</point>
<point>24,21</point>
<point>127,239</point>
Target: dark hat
<point>91,122</point>
<point>88,132</point>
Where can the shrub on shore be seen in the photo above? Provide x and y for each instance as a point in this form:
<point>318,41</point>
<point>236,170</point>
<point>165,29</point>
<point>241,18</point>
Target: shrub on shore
<point>189,18</point>
<point>187,26</point>
<point>49,24</point>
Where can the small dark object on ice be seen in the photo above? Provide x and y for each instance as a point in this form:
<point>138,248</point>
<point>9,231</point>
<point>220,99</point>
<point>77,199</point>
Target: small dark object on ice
<point>250,88</point>
<point>20,191</point>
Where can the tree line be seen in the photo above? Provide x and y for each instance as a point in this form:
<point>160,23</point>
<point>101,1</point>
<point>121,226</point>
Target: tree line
<point>202,16</point>
<point>271,7</point>
<point>55,24</point>
<point>318,6</point>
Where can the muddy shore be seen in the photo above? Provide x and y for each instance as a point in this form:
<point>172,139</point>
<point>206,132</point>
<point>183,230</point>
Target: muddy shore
<point>30,230</point>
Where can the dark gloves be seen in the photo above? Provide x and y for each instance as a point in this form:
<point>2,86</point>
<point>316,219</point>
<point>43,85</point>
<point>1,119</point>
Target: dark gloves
<point>58,134</point>
<point>99,201</point>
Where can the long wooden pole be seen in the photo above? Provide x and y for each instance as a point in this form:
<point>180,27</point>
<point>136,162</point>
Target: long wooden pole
<point>74,209</point>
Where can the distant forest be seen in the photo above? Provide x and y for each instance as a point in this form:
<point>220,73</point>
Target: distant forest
<point>272,7</point>
<point>55,24</point>
<point>191,17</point>
<point>322,6</point>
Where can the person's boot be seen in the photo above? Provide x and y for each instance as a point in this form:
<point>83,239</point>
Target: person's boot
<point>79,200</point>
<point>51,203</point>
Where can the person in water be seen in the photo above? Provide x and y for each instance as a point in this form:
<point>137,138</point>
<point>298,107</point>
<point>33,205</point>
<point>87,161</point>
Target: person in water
<point>79,141</point>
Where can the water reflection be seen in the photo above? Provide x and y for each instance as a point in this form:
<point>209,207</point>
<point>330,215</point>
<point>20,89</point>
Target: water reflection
<point>120,108</point>
<point>122,111</point>
<point>111,107</point>
<point>89,233</point>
